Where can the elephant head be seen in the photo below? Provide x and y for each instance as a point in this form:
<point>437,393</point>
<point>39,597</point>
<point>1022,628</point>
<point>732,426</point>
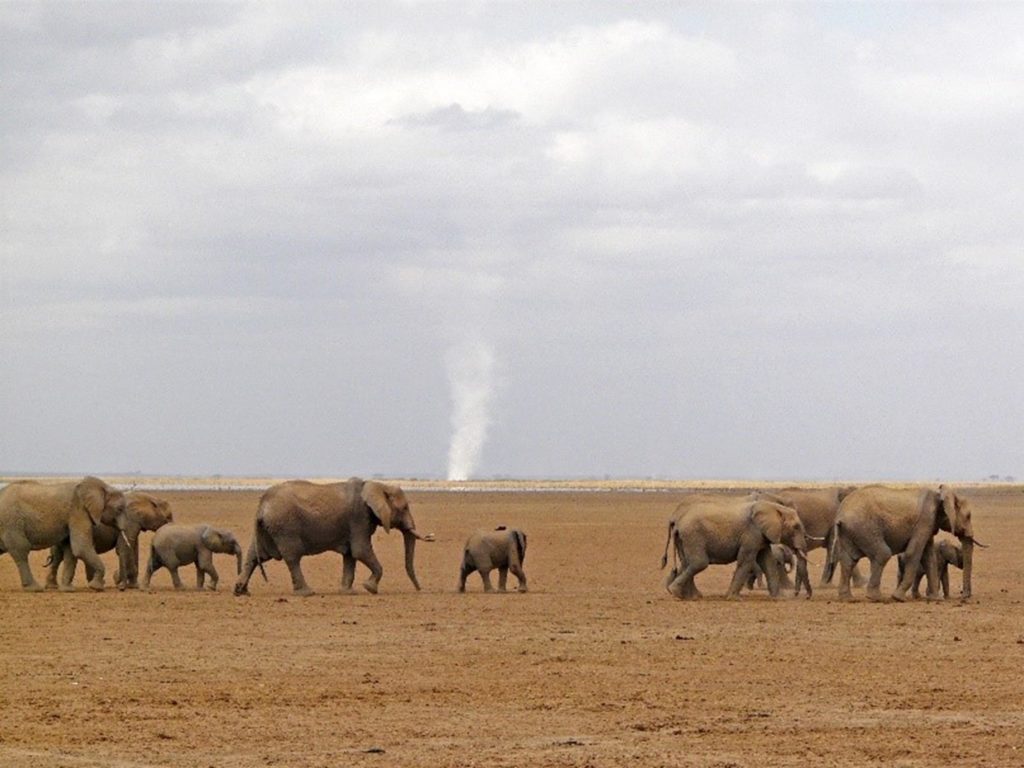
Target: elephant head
<point>151,513</point>
<point>956,518</point>
<point>222,542</point>
<point>103,505</point>
<point>390,506</point>
<point>780,525</point>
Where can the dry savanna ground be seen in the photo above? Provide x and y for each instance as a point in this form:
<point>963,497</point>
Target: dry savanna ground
<point>596,666</point>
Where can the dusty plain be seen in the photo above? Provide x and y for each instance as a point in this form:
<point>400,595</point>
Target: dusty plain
<point>596,666</point>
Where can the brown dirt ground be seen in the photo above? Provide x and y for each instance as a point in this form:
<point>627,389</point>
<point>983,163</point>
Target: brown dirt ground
<point>595,666</point>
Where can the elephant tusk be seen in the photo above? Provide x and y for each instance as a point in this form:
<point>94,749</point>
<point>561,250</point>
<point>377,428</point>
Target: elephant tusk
<point>814,538</point>
<point>125,537</point>
<point>975,542</point>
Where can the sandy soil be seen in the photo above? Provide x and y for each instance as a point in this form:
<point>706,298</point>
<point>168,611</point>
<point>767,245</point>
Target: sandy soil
<point>595,666</point>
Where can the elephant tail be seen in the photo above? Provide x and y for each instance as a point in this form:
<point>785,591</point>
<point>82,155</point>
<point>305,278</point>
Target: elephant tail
<point>668,543</point>
<point>831,550</point>
<point>520,539</point>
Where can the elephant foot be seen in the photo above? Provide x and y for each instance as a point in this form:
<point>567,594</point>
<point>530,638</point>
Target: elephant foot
<point>240,589</point>
<point>370,587</point>
<point>33,587</point>
<point>876,597</point>
<point>521,589</point>
<point>51,585</point>
<point>303,592</point>
<point>212,588</point>
<point>96,586</point>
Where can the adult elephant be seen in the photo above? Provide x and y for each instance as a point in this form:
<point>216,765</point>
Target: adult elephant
<point>720,531</point>
<point>142,513</point>
<point>878,522</point>
<point>299,518</point>
<point>817,509</point>
<point>38,516</point>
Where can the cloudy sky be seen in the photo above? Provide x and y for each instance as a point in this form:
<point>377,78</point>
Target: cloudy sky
<point>570,239</point>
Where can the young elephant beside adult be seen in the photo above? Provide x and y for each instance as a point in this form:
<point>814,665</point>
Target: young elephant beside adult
<point>176,545</point>
<point>728,530</point>
<point>502,548</point>
<point>38,516</point>
<point>946,553</point>
<point>787,563</point>
<point>878,522</point>
<point>817,509</point>
<point>299,518</point>
<point>142,513</point>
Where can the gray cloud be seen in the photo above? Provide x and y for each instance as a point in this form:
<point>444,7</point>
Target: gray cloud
<point>243,238</point>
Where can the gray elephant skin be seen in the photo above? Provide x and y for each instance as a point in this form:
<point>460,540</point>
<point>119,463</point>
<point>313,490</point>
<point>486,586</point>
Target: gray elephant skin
<point>503,548</point>
<point>946,553</point>
<point>720,530</point>
<point>300,518</point>
<point>787,562</point>
<point>39,516</point>
<point>143,513</point>
<point>878,522</point>
<point>176,545</point>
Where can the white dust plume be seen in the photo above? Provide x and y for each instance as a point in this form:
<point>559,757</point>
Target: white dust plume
<point>471,378</point>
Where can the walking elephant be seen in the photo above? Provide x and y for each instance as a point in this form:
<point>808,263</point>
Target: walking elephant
<point>299,518</point>
<point>718,531</point>
<point>176,545</point>
<point>787,563</point>
<point>142,513</point>
<point>946,553</point>
<point>878,522</point>
<point>502,548</point>
<point>38,516</point>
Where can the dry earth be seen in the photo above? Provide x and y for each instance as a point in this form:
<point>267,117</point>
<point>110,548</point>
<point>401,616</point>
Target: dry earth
<point>595,666</point>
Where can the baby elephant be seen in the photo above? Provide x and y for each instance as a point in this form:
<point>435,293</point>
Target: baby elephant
<point>947,553</point>
<point>502,548</point>
<point>177,545</point>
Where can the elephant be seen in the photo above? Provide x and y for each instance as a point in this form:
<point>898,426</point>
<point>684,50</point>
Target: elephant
<point>726,530</point>
<point>176,545</point>
<point>503,548</point>
<point>817,508</point>
<point>299,518</point>
<point>143,513</point>
<point>947,553</point>
<point>787,562</point>
<point>34,515</point>
<point>878,522</point>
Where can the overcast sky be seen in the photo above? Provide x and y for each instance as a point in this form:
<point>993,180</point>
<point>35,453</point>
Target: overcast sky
<point>548,239</point>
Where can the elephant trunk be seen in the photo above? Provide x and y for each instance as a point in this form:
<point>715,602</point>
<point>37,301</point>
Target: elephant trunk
<point>410,555</point>
<point>968,547</point>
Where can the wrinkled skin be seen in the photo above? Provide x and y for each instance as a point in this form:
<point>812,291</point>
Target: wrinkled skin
<point>502,548</point>
<point>718,531</point>
<point>946,553</point>
<point>39,516</point>
<point>817,509</point>
<point>299,518</point>
<point>878,522</point>
<point>142,513</point>
<point>176,545</point>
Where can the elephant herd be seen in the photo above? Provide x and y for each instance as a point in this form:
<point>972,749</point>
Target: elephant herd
<point>82,519</point>
<point>758,531</point>
<point>761,533</point>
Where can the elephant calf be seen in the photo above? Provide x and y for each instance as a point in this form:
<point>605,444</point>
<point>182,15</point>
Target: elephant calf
<point>503,548</point>
<point>946,553</point>
<point>177,545</point>
<point>788,562</point>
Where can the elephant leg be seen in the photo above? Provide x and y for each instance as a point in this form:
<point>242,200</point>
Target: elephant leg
<point>517,571</point>
<point>68,566</point>
<point>127,576</point>
<point>369,559</point>
<point>847,562</point>
<point>214,577</point>
<point>348,572</point>
<point>152,567</point>
<point>204,567</point>
<point>175,578</point>
<point>858,577</point>
<point>683,586</point>
<point>299,585</point>
<point>485,574</point>
<point>944,578</point>
<point>19,546</point>
<point>502,579</point>
<point>878,561</point>
<point>56,558</point>
<point>252,560</point>
<point>464,571</point>
<point>82,548</point>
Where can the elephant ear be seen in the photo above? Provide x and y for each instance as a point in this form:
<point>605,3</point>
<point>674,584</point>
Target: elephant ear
<point>376,499</point>
<point>957,512</point>
<point>91,496</point>
<point>768,518</point>
<point>211,538</point>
